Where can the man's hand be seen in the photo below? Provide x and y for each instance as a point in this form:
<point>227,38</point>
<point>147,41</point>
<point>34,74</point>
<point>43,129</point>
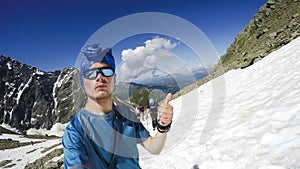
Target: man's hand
<point>155,144</point>
<point>166,111</point>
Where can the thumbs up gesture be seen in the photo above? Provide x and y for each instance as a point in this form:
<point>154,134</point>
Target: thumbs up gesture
<point>166,111</point>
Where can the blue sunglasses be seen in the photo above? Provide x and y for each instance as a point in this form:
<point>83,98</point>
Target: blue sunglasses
<point>93,73</point>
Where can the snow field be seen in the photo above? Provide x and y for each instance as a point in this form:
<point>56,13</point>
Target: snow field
<point>258,125</point>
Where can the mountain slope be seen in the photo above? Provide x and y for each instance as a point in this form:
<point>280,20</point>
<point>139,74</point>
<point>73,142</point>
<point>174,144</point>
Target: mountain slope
<point>276,23</point>
<point>257,127</point>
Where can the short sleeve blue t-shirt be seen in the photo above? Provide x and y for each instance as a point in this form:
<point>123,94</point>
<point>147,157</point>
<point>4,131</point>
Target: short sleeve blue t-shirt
<point>91,140</point>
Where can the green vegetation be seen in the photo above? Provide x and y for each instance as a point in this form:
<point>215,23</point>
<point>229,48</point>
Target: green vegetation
<point>226,58</point>
<point>241,41</point>
<point>6,131</point>
<point>41,137</point>
<point>9,143</point>
<point>45,162</point>
<point>5,162</point>
<point>140,97</point>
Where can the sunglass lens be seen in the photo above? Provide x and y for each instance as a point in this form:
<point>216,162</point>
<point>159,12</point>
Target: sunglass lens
<point>107,72</point>
<point>91,73</point>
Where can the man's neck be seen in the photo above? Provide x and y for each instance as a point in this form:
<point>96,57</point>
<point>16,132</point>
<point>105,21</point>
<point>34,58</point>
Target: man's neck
<point>101,107</point>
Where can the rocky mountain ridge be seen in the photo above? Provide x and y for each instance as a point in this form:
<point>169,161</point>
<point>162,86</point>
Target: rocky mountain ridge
<point>31,98</point>
<point>276,24</point>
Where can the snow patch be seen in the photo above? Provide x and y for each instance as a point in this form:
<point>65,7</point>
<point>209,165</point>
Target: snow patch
<point>39,72</point>
<point>8,64</point>
<point>58,129</point>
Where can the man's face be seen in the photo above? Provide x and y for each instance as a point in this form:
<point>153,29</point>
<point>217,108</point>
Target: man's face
<point>101,87</point>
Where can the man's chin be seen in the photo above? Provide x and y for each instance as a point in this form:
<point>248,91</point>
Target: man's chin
<point>103,95</point>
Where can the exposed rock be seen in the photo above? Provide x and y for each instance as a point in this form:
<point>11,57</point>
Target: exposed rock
<point>31,98</point>
<point>276,24</point>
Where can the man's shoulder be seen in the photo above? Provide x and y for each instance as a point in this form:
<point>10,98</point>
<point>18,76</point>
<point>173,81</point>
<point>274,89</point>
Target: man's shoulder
<point>74,124</point>
<point>73,131</point>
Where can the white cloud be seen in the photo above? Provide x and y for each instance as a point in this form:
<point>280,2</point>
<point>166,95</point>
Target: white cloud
<point>154,53</point>
<point>159,43</point>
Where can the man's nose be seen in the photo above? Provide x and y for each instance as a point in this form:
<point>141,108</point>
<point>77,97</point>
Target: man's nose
<point>99,76</point>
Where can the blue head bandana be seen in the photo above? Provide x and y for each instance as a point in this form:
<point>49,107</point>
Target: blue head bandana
<point>92,54</point>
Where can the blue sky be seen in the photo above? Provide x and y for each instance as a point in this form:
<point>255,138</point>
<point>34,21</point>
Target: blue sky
<point>48,34</point>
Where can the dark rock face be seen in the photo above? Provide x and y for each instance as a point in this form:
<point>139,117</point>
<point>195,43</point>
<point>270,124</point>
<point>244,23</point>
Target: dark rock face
<point>30,98</point>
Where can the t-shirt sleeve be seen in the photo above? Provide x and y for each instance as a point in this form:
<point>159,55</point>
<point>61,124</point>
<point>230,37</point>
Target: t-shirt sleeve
<point>75,155</point>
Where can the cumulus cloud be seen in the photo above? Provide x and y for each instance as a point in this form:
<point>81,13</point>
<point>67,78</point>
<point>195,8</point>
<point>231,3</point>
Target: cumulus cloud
<point>159,43</point>
<point>155,52</point>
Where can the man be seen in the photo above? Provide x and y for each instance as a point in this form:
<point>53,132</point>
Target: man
<point>153,112</point>
<point>105,133</point>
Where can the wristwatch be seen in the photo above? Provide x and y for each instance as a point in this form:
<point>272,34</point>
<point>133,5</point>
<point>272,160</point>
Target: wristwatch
<point>163,129</point>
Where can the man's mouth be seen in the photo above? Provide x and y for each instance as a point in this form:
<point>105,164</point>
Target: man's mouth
<point>100,86</point>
